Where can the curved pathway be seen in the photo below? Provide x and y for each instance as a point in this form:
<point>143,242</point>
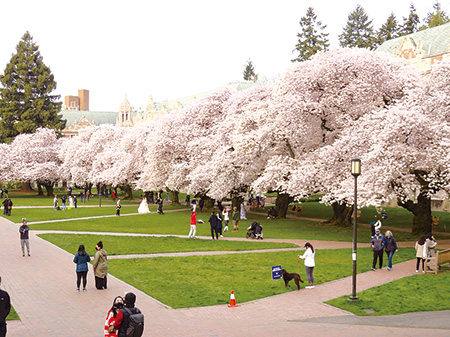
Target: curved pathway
<point>42,289</point>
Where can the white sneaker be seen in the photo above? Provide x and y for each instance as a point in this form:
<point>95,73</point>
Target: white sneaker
<point>221,236</point>
<point>312,287</point>
<point>417,271</point>
<point>308,287</point>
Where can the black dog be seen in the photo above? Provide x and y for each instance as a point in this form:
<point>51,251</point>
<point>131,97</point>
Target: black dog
<point>289,276</point>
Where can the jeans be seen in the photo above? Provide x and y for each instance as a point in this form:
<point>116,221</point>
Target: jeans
<point>309,274</point>
<point>418,263</point>
<point>377,254</point>
<point>390,255</point>
<point>23,243</point>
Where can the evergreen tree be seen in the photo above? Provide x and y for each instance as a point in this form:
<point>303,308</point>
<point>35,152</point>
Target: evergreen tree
<point>411,23</point>
<point>25,100</point>
<point>249,72</point>
<point>359,31</point>
<point>436,18</point>
<point>311,39</point>
<point>389,30</point>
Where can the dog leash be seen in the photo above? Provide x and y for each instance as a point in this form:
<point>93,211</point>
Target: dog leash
<point>298,266</point>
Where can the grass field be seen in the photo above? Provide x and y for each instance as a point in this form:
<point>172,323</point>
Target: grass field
<point>177,223</point>
<point>12,315</point>
<point>208,280</point>
<point>424,293</point>
<point>122,245</point>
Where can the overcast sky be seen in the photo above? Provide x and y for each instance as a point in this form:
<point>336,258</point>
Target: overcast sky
<point>171,49</point>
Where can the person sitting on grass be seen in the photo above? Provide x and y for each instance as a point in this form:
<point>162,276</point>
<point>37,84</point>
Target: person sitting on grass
<point>272,214</point>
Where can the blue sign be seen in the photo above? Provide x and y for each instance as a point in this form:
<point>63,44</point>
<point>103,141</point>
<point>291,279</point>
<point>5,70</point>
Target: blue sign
<point>276,273</point>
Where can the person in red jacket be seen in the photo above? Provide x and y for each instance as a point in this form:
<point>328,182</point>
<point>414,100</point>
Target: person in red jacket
<point>110,331</point>
<point>193,224</point>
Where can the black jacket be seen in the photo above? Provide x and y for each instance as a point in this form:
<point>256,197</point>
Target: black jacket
<point>213,220</point>
<point>5,306</point>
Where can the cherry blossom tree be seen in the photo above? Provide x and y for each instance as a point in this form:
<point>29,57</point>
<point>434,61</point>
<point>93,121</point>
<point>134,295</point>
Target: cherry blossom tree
<point>79,154</point>
<point>404,153</point>
<point>36,158</point>
<point>317,99</point>
<point>236,157</point>
<point>7,163</point>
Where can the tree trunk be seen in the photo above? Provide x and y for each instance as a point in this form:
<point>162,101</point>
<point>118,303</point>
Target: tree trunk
<point>342,215</point>
<point>236,202</point>
<point>49,188</point>
<point>421,210</point>
<point>128,192</point>
<point>174,197</point>
<point>40,191</point>
<point>282,204</point>
<point>26,187</point>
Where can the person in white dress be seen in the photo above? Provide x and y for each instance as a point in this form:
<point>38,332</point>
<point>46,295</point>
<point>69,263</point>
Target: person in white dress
<point>243,211</point>
<point>143,207</point>
<point>70,201</point>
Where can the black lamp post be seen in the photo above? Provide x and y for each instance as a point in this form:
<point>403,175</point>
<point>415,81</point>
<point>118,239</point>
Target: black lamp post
<point>356,171</point>
<point>100,192</point>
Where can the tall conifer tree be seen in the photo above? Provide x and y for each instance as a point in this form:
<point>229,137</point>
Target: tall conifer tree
<point>249,72</point>
<point>389,30</point>
<point>311,39</point>
<point>26,102</point>
<point>436,18</point>
<point>411,23</point>
<point>359,31</point>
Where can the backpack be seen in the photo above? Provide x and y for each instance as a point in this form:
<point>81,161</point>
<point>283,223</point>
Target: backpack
<point>135,323</point>
<point>377,243</point>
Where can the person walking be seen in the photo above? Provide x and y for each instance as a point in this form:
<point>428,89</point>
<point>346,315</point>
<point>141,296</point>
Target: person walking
<point>378,243</point>
<point>81,259</point>
<point>243,211</point>
<point>201,204</point>
<point>421,253</point>
<point>308,256</point>
<point>219,224</point>
<point>100,266</point>
<point>55,202</point>
<point>75,201</point>
<point>118,207</point>
<point>5,308</point>
<point>226,218</point>
<point>213,223</point>
<point>390,248</point>
<point>193,225</point>
<point>8,206</point>
<point>236,217</point>
<point>24,237</point>
<point>159,201</point>
<point>5,207</point>
<point>122,320</point>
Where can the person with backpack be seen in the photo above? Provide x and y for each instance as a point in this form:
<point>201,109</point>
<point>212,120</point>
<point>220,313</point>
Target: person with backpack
<point>378,242</point>
<point>129,321</point>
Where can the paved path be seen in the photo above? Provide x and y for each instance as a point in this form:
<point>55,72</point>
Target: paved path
<point>42,289</point>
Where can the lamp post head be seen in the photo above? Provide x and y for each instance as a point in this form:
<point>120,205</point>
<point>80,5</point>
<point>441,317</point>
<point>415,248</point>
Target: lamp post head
<point>356,167</point>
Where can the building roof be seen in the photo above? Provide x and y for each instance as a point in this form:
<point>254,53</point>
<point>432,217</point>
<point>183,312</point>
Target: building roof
<point>433,41</point>
<point>98,117</point>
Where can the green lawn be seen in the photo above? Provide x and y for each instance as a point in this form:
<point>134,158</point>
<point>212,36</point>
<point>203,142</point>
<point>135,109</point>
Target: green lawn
<point>208,280</point>
<point>12,315</point>
<point>121,245</point>
<point>397,217</point>
<point>411,294</point>
<point>44,214</point>
<point>177,223</point>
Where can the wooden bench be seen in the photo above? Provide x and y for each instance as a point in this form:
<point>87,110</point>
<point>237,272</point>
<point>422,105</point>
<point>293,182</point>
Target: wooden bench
<point>442,257</point>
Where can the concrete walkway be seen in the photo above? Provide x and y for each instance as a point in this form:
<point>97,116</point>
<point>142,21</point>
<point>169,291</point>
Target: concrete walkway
<point>42,290</point>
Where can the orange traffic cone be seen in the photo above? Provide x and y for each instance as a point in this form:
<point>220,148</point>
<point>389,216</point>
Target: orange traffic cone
<point>232,300</point>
